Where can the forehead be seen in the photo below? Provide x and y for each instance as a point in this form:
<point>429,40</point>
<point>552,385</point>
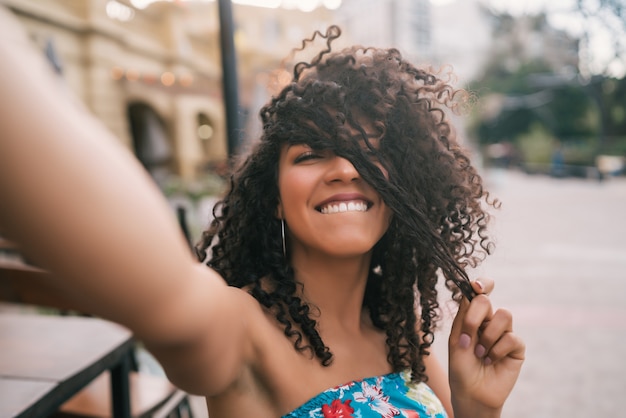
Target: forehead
<point>368,141</point>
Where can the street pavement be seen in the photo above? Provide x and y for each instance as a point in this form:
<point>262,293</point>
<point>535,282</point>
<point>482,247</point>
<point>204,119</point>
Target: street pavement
<point>560,268</point>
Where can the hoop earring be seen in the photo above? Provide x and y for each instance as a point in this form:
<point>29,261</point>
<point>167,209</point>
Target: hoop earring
<point>282,234</point>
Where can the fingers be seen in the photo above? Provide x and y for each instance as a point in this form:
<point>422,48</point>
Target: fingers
<point>495,337</point>
<point>489,334</point>
<point>480,286</point>
<point>469,319</point>
<point>483,285</point>
<point>509,346</point>
<point>477,315</point>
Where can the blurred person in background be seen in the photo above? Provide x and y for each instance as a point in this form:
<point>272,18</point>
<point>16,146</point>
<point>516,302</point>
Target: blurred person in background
<point>315,294</point>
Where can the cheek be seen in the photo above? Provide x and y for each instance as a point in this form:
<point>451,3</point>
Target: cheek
<point>292,188</point>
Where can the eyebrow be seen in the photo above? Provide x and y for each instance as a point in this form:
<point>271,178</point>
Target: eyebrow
<point>297,144</point>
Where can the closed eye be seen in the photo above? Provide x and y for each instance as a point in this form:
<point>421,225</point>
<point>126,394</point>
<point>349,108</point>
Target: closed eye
<point>307,156</point>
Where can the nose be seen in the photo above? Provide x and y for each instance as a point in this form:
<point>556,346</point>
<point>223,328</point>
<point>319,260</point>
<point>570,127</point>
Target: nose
<point>341,169</point>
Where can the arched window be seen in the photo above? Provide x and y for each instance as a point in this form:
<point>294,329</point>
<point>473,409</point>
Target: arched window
<point>205,129</point>
<point>150,140</point>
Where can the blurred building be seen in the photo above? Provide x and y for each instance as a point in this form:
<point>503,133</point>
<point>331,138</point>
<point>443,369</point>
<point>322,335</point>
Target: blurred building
<point>151,70</point>
<point>462,37</point>
<point>265,38</point>
<point>402,24</point>
<point>527,38</point>
<point>468,34</point>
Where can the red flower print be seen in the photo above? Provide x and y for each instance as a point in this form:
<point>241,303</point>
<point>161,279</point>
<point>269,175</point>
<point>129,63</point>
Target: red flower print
<point>337,409</point>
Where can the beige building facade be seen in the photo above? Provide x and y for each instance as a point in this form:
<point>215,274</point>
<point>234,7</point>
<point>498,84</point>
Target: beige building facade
<point>153,75</point>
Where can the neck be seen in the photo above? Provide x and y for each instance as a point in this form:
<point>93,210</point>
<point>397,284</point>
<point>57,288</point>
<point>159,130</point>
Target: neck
<point>334,285</point>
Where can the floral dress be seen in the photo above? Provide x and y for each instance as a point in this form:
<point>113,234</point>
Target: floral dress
<point>390,395</point>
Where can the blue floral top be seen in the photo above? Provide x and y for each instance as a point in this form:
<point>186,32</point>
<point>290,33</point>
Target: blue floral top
<point>390,395</point>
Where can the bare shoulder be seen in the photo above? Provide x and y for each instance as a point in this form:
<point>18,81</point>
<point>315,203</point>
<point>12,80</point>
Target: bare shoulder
<point>438,380</point>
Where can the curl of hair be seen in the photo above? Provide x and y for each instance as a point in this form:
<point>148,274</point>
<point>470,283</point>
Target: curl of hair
<point>437,198</point>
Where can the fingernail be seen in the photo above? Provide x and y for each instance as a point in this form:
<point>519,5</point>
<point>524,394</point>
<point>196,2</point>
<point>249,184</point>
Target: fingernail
<point>480,284</point>
<point>487,361</point>
<point>464,341</point>
<point>479,351</point>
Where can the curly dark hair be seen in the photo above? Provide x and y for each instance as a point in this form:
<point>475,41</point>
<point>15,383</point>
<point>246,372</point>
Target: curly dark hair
<point>437,198</point>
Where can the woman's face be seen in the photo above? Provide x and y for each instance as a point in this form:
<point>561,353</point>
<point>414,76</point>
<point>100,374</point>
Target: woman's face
<point>327,206</point>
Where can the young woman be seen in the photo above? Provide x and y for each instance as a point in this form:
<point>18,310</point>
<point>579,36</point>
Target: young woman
<point>317,296</point>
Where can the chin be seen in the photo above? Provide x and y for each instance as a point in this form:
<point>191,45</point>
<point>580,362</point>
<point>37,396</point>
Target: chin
<point>348,248</point>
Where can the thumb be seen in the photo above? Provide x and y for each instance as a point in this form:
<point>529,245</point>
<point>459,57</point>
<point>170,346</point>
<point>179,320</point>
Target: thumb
<point>469,319</point>
<point>457,323</point>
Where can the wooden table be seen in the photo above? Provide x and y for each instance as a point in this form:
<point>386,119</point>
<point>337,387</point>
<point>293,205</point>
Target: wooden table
<point>46,359</point>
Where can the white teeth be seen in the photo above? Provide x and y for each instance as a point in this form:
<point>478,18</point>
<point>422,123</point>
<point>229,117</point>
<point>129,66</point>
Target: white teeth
<point>344,207</point>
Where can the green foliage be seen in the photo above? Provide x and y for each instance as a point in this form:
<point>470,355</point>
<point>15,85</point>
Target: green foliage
<point>614,146</point>
<point>498,77</point>
<point>537,145</point>
<point>581,152</point>
<point>571,113</point>
<point>610,94</point>
<point>508,125</point>
<point>538,148</point>
<point>535,106</point>
<point>566,111</point>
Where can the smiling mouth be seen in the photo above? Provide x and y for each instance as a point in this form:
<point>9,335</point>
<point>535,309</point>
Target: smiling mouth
<point>342,207</point>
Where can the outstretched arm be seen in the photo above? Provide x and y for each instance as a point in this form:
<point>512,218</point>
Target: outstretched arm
<point>81,206</point>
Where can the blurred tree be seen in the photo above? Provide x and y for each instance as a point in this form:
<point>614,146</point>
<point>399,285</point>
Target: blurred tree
<point>531,95</point>
<point>563,106</point>
<point>608,16</point>
<point>609,94</point>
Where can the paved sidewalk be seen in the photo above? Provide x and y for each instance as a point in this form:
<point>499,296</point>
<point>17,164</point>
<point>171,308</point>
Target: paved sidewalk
<point>560,267</point>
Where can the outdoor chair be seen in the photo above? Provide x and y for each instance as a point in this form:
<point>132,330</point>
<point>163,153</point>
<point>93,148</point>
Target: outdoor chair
<point>150,395</point>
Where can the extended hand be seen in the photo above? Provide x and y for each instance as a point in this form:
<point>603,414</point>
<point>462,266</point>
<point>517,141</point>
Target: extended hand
<point>485,356</point>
